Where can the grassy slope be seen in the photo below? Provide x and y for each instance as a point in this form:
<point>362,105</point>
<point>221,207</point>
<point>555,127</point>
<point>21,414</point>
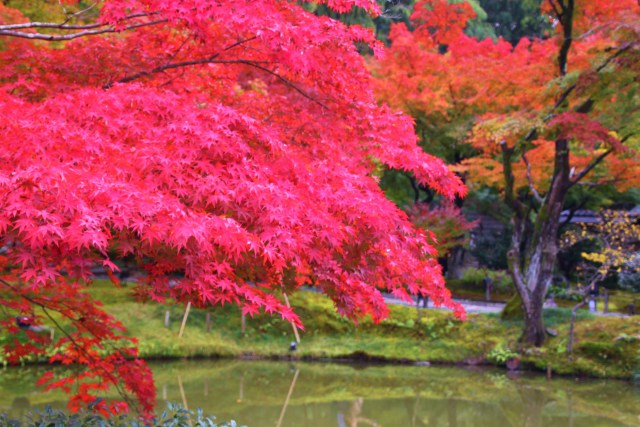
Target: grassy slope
<point>606,347</point>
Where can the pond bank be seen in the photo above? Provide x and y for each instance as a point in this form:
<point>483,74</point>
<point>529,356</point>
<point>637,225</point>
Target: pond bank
<point>604,347</point>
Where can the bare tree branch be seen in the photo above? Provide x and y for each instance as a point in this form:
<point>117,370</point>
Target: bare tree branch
<point>531,185</point>
<point>509,190</point>
<point>556,10</point>
<point>598,184</point>
<point>589,168</point>
<point>64,26</point>
<point>65,37</point>
<point>211,60</point>
<point>71,16</point>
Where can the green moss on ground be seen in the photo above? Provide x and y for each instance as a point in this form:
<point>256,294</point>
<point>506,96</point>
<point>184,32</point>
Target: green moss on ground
<point>604,347</point>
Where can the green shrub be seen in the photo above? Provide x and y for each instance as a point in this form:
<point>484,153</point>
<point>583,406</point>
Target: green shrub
<point>561,292</point>
<point>500,355</point>
<point>502,282</point>
<point>602,351</point>
<point>175,416</point>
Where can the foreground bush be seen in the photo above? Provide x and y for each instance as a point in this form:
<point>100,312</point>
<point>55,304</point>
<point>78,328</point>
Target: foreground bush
<point>175,416</point>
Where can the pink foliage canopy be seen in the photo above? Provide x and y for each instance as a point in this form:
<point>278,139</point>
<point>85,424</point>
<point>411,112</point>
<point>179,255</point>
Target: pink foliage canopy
<point>233,143</point>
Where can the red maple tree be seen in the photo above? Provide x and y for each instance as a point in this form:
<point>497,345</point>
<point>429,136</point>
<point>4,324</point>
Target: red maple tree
<point>232,143</point>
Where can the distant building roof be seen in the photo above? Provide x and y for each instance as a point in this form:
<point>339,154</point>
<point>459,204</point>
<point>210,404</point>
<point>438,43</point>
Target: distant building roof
<point>584,216</point>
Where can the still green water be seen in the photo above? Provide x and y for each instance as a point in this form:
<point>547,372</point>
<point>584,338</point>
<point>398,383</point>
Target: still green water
<point>279,394</point>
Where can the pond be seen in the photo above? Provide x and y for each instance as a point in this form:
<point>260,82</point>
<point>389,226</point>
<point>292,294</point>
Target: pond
<point>280,394</point>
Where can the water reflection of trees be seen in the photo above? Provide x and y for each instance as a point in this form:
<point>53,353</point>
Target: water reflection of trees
<point>352,416</point>
<point>313,395</point>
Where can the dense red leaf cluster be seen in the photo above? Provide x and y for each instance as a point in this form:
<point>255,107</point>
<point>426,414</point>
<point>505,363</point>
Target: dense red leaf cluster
<point>445,224</point>
<point>234,144</point>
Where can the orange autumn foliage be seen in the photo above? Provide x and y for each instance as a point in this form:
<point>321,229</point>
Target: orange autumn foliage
<point>544,115</point>
<point>512,90</point>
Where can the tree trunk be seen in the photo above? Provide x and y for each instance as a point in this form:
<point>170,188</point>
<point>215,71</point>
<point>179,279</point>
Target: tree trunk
<point>534,332</point>
<point>573,324</point>
<point>534,245</point>
<point>533,280</point>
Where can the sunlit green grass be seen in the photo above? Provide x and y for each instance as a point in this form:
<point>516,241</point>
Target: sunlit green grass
<point>603,347</point>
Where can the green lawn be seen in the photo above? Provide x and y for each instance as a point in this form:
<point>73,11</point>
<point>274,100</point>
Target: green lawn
<point>606,347</point>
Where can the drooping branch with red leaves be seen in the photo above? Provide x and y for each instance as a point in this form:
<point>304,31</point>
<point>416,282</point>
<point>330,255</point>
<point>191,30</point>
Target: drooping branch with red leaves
<point>233,144</point>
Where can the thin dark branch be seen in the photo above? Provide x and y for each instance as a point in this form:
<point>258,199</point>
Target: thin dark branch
<point>600,67</point>
<point>65,37</point>
<point>177,51</point>
<point>416,190</point>
<point>238,43</point>
<point>509,190</point>
<point>210,60</point>
<point>79,13</point>
<point>286,81</point>
<point>174,65</point>
<point>572,213</point>
<point>172,79</point>
<point>563,96</point>
<point>619,51</point>
<point>168,64</point>
<point>557,11</point>
<point>566,20</point>
<point>64,26</point>
<point>114,380</point>
<point>599,184</point>
<point>589,168</point>
<point>536,195</point>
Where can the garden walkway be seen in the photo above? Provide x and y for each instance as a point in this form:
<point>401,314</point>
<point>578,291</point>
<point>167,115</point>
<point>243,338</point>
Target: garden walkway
<point>481,306</point>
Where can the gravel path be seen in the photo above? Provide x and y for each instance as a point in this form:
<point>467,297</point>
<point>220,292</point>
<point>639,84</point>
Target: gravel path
<point>469,306</point>
<point>482,306</point>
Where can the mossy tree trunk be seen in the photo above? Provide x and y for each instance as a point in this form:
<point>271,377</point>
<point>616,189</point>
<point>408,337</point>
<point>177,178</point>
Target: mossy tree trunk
<point>534,246</point>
